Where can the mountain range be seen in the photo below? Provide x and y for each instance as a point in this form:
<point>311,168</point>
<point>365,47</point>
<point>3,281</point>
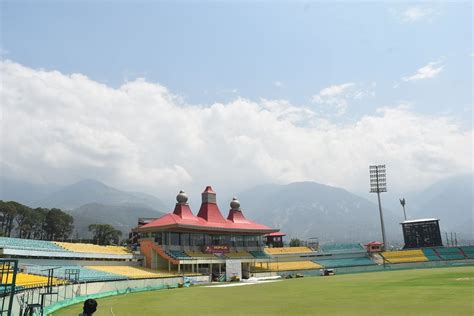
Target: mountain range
<point>88,201</point>
<point>312,210</point>
<point>451,201</point>
<point>302,209</point>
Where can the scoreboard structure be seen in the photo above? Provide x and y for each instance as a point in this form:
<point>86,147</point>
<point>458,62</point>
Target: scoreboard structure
<point>421,233</point>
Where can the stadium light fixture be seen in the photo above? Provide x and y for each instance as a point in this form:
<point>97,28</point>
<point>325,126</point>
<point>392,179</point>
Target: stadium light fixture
<point>378,184</point>
<point>402,202</point>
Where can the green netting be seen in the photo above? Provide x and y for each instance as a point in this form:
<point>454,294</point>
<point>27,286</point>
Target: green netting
<point>80,299</point>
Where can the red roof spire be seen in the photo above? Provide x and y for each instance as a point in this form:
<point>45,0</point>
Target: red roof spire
<point>208,218</point>
<point>235,213</point>
<point>182,208</point>
<point>209,210</point>
<point>209,189</point>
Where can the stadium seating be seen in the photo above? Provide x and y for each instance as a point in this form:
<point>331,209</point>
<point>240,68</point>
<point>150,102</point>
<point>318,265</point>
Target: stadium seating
<point>342,248</point>
<point>85,275</point>
<point>287,250</point>
<point>431,254</point>
<point>199,254</point>
<point>91,248</point>
<point>238,254</point>
<point>132,272</point>
<point>259,254</point>
<point>404,256</point>
<point>30,280</point>
<point>447,253</point>
<point>287,266</point>
<point>29,244</point>
<point>345,262</point>
<point>468,251</point>
<point>177,254</point>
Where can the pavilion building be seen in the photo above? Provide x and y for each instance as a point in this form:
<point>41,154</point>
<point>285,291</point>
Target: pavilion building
<point>205,243</point>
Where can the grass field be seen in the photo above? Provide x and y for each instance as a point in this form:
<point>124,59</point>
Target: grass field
<point>445,291</point>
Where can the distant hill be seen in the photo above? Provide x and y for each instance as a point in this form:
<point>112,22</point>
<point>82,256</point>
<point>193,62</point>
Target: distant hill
<point>122,217</point>
<point>309,209</point>
<point>88,201</point>
<point>451,201</point>
<point>24,192</point>
<point>92,191</point>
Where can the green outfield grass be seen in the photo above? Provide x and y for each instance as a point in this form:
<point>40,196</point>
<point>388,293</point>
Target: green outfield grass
<point>445,291</point>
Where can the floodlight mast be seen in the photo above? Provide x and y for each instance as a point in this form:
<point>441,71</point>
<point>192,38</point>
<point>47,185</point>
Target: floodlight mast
<point>378,184</point>
<point>402,202</point>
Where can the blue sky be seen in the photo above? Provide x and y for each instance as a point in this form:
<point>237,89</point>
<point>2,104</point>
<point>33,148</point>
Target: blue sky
<point>216,51</point>
<point>162,96</point>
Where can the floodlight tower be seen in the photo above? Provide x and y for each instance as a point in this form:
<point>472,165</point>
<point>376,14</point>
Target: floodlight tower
<point>378,184</point>
<point>402,202</point>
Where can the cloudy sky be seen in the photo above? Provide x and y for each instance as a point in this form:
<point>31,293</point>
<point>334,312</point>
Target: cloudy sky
<point>162,96</point>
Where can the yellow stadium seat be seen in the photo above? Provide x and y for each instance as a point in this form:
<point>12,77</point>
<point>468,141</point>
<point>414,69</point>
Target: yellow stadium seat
<point>91,248</point>
<point>287,250</point>
<point>238,254</point>
<point>135,272</point>
<point>404,256</point>
<point>29,280</point>
<point>287,266</point>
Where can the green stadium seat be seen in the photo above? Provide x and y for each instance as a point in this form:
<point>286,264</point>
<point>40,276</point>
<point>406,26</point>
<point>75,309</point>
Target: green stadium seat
<point>431,254</point>
<point>177,254</point>
<point>259,254</point>
<point>468,251</point>
<point>85,275</point>
<point>450,253</point>
<point>29,244</point>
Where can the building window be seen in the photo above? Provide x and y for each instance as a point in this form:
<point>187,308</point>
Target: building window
<point>215,240</point>
<point>174,238</point>
<point>197,239</point>
<point>185,239</point>
<point>158,238</point>
<point>239,241</point>
<point>251,241</point>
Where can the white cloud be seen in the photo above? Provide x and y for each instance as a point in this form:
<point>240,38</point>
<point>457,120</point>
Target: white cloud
<point>278,84</point>
<point>339,96</point>
<point>426,72</point>
<point>61,128</point>
<point>417,14</point>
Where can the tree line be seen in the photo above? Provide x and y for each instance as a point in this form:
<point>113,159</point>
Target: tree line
<point>18,220</point>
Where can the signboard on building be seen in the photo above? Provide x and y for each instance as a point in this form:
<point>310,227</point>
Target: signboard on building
<point>233,268</point>
<point>217,249</point>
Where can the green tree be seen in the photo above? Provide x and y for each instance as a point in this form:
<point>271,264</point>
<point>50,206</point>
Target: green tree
<point>105,234</point>
<point>295,242</point>
<point>24,220</point>
<point>8,212</point>
<point>58,225</point>
<point>38,217</point>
